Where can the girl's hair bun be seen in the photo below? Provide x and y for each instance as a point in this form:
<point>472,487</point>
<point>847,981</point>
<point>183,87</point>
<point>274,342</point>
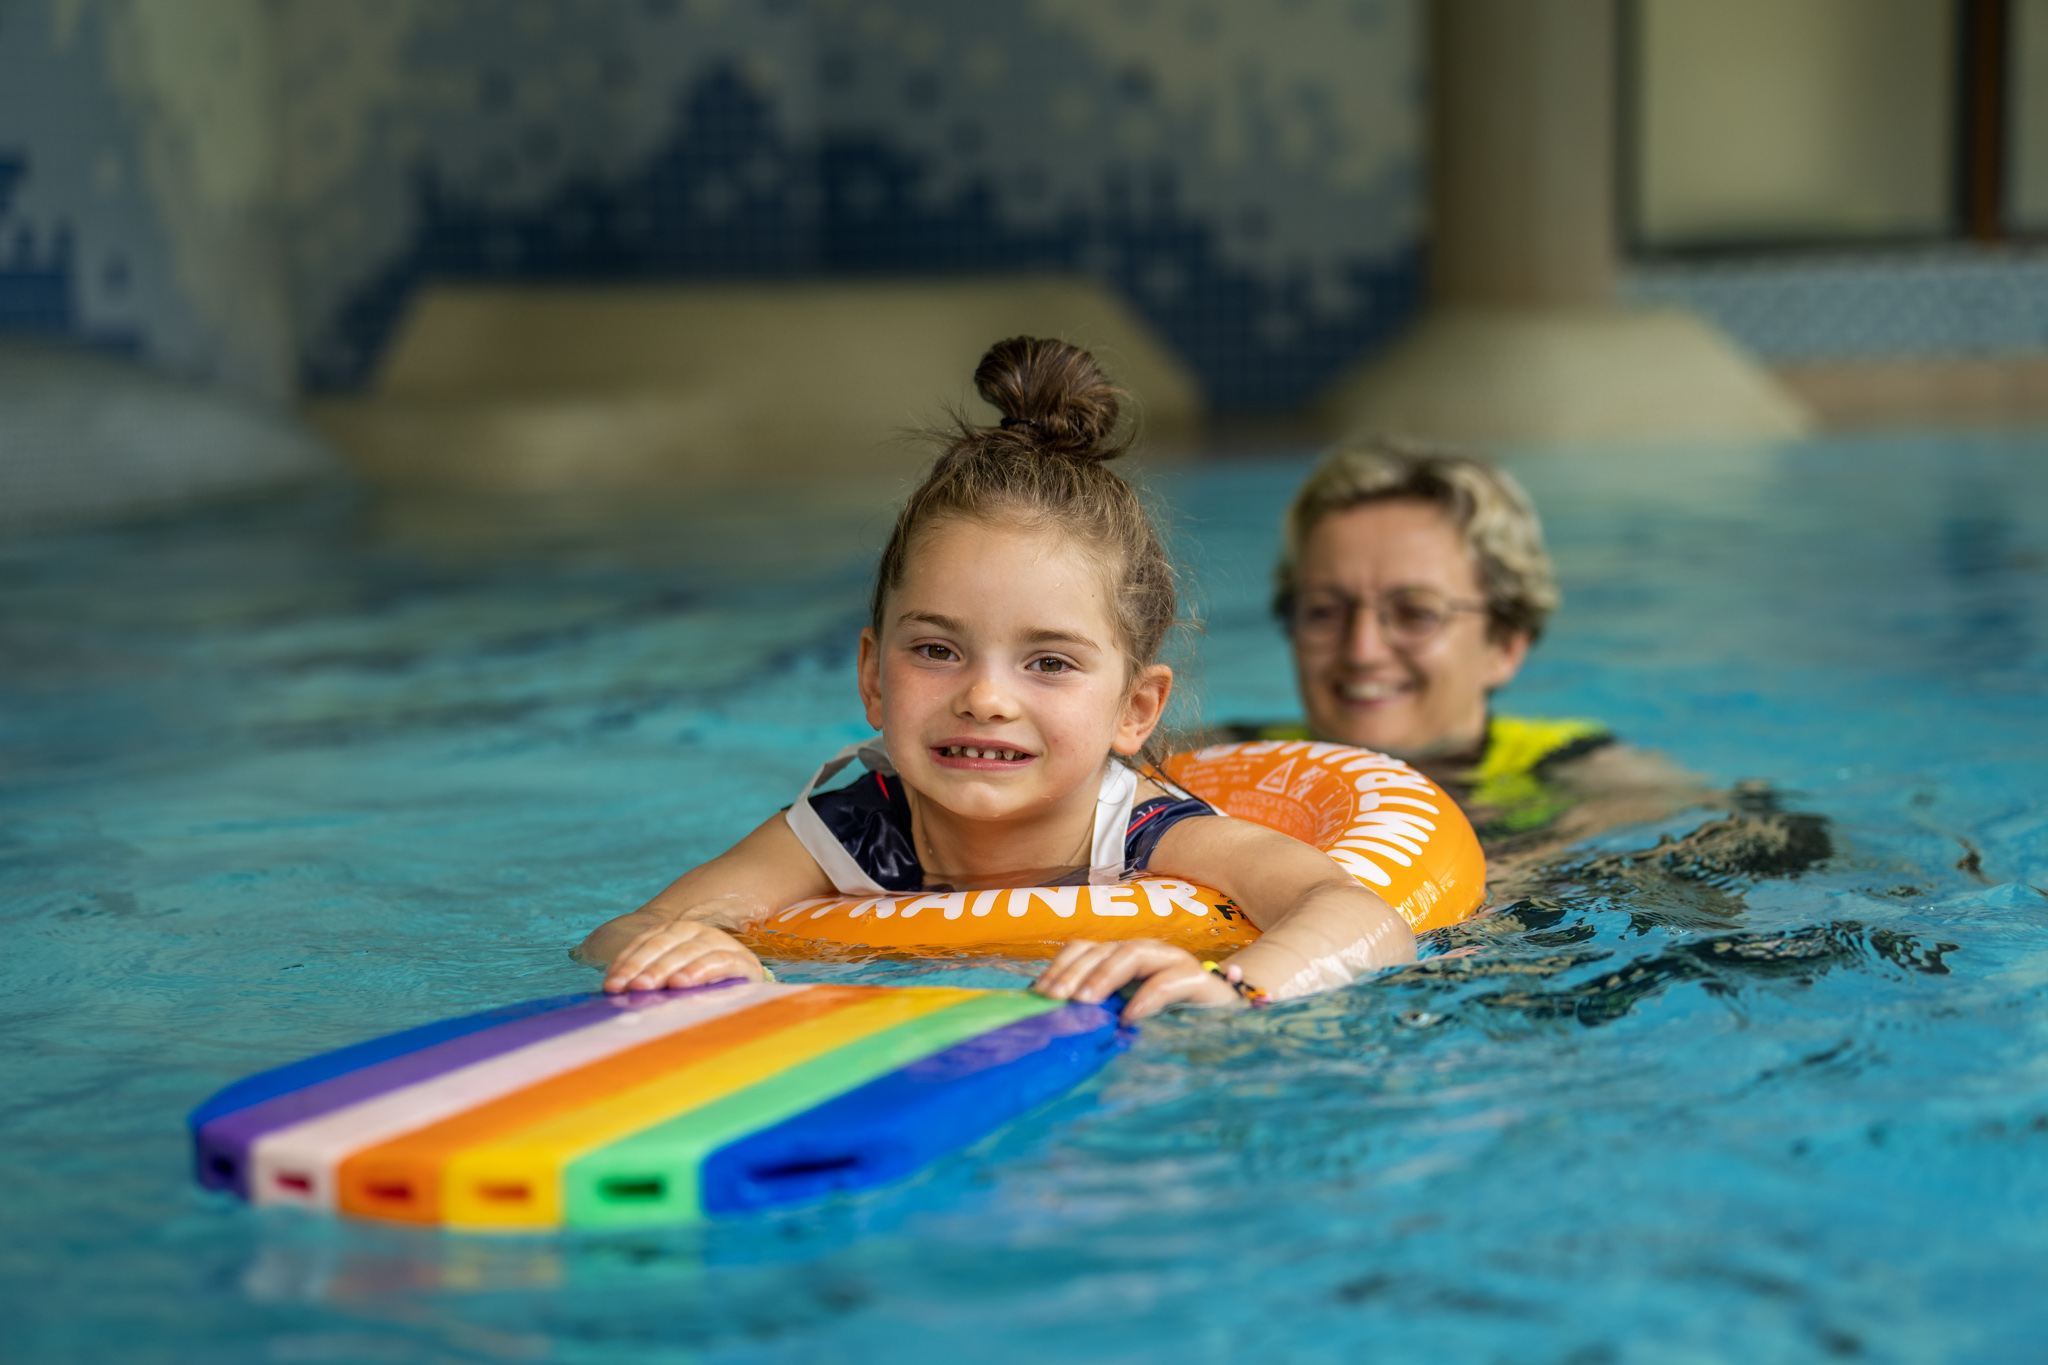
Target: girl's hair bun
<point>1054,399</point>
<point>1042,470</point>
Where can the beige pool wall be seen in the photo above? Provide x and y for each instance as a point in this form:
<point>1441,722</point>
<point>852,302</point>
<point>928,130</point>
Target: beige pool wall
<point>608,388</point>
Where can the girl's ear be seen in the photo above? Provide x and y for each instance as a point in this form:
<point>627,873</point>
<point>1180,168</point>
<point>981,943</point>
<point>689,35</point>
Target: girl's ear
<point>1143,709</point>
<point>870,672</point>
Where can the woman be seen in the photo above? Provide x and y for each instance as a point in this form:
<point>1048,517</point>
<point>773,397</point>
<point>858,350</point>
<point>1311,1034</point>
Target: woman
<point>1412,584</point>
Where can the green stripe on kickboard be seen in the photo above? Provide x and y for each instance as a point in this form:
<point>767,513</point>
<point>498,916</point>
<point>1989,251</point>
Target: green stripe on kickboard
<point>652,1176</point>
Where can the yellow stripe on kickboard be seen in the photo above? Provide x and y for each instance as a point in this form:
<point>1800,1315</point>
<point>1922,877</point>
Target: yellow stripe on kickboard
<point>533,1158</point>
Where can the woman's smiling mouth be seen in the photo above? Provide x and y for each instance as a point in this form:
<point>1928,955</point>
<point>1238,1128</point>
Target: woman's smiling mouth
<point>1370,690</point>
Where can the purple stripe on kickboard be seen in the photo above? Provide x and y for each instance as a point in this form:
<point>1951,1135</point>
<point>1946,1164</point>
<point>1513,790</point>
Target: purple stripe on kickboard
<point>224,1143</point>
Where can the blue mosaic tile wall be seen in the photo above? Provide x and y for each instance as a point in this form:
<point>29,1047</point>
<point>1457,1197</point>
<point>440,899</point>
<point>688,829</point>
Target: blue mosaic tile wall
<point>1246,174</point>
<point>730,195</point>
<point>1925,303</point>
<point>35,277</point>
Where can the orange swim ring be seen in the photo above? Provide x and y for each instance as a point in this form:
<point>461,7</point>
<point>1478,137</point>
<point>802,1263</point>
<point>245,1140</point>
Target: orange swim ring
<point>1385,823</point>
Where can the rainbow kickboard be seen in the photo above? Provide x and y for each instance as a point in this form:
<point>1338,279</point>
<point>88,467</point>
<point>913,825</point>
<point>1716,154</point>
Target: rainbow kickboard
<point>654,1107</point>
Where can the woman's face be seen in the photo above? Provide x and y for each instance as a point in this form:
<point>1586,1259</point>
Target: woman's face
<point>1410,691</point>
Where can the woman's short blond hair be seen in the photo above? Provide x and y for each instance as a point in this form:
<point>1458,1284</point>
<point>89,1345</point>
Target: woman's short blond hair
<point>1486,505</point>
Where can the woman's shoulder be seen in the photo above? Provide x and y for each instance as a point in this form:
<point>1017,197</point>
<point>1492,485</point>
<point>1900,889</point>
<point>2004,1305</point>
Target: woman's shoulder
<point>1522,779</point>
<point>1523,745</point>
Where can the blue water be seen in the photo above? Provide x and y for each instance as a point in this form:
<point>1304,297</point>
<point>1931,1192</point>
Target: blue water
<point>278,779</point>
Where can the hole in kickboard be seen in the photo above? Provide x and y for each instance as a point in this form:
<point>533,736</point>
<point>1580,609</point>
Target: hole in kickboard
<point>301,1184</point>
<point>222,1166</point>
<point>387,1189</point>
<point>631,1191</point>
<point>798,1170</point>
<point>506,1192</point>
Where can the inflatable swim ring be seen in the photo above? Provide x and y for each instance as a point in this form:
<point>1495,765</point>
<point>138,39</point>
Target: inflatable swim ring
<point>1385,823</point>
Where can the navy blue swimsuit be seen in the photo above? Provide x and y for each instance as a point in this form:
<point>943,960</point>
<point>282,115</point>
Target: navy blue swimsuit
<point>871,818</point>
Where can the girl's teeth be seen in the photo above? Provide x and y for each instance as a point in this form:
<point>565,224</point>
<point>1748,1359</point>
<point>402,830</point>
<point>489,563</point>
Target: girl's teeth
<point>965,751</point>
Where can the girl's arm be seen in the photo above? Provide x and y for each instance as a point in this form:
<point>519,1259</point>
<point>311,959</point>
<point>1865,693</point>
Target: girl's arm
<point>1318,927</point>
<point>679,938</point>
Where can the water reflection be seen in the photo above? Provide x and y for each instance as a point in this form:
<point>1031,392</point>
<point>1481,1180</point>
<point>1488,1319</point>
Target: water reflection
<point>1979,554</point>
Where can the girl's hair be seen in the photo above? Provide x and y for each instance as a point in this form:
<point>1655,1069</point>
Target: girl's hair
<point>1041,467</point>
<point>1488,507</point>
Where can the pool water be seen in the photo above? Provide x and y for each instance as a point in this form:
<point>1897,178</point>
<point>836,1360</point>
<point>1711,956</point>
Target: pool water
<point>278,779</point>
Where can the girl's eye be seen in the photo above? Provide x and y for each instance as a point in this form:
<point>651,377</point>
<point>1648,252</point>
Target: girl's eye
<point>1051,665</point>
<point>940,653</point>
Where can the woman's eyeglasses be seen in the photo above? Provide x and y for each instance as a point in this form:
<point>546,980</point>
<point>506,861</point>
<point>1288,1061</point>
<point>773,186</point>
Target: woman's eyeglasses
<point>1408,617</point>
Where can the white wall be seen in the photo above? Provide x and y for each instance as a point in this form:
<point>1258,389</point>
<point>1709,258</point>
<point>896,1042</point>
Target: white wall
<point>1784,119</point>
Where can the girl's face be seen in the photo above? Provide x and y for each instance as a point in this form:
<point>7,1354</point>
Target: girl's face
<point>1372,669</point>
<point>996,679</point>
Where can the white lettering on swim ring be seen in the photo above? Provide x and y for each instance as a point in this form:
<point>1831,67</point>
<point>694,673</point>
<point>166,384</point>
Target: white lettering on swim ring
<point>1110,900</point>
<point>1276,781</point>
<point>1059,899</point>
<point>1380,761</point>
<point>1163,896</point>
<point>1374,800</point>
<point>984,901</point>
<point>1390,824</point>
<point>1399,838</point>
<point>1371,803</point>
<point>1360,866</point>
<point>1375,846</point>
<point>1405,781</point>
<point>954,904</point>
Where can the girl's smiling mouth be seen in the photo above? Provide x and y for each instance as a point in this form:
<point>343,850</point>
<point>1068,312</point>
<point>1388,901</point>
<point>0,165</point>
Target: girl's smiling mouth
<point>981,756</point>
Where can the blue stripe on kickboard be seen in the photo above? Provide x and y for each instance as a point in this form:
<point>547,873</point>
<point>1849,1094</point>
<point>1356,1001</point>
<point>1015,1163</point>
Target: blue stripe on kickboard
<point>280,1080</point>
<point>892,1126</point>
<point>221,1145</point>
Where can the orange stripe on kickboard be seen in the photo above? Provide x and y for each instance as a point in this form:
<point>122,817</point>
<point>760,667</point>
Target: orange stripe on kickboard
<point>401,1178</point>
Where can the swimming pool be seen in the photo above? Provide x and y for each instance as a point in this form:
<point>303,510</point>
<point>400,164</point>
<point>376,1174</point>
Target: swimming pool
<point>278,779</point>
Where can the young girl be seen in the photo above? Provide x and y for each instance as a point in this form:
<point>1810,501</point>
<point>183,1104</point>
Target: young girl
<point>1010,665</point>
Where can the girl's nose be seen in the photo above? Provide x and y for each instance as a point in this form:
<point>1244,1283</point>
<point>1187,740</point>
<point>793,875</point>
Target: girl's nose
<point>984,698</point>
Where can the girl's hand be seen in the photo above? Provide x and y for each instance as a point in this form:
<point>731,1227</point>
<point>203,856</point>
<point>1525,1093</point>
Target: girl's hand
<point>1092,972</point>
<point>681,953</point>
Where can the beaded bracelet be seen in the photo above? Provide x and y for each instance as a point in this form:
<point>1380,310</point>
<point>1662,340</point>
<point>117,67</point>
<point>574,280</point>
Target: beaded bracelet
<point>1233,977</point>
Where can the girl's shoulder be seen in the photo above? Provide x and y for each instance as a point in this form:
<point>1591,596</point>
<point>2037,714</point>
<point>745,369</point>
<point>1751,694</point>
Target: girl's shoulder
<point>870,817</point>
<point>1158,806</point>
